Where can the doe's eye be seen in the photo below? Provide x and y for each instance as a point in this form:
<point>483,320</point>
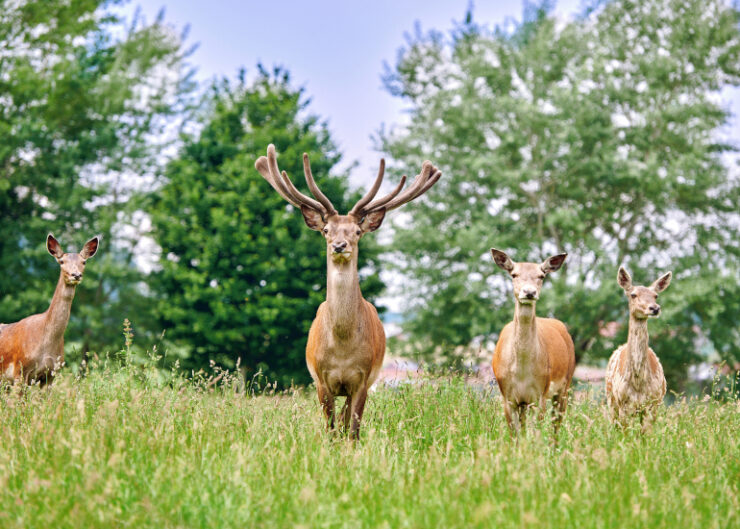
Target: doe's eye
<point>633,295</point>
<point>359,232</point>
<point>325,230</point>
<point>514,275</point>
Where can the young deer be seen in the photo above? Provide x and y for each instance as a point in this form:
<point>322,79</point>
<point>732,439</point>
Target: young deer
<point>535,357</point>
<point>346,342</point>
<point>634,377</point>
<point>32,348</point>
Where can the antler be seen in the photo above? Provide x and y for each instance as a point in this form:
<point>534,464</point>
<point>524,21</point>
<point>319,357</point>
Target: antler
<point>422,183</point>
<point>280,182</point>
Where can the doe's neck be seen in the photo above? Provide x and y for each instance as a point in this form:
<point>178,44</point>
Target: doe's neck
<point>57,316</point>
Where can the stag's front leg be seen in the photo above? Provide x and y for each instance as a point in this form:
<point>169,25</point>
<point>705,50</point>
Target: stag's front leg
<point>357,407</point>
<point>327,404</point>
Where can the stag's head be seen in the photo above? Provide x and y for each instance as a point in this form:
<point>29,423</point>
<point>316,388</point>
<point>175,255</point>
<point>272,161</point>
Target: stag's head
<point>527,278</point>
<point>343,232</point>
<point>643,300</point>
<point>72,264</point>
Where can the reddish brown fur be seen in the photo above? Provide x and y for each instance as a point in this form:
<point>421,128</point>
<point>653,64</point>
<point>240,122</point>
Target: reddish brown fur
<point>346,342</point>
<point>32,348</point>
<point>534,357</point>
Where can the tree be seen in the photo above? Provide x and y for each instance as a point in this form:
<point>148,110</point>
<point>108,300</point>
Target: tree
<point>598,137</point>
<point>241,276</point>
<point>79,113</point>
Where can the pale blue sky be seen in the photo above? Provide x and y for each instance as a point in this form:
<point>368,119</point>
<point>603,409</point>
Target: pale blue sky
<point>335,49</point>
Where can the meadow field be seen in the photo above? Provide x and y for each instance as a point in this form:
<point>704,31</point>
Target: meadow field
<point>122,447</point>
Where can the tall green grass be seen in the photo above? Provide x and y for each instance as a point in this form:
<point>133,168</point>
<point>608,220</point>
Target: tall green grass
<point>123,447</point>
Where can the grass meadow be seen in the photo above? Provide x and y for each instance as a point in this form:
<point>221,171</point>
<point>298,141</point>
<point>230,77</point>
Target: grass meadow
<point>120,447</point>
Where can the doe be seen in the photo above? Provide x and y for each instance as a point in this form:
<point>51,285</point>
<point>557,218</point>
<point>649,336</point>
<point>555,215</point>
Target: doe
<point>535,357</point>
<point>635,384</point>
<point>346,342</point>
<point>32,348</point>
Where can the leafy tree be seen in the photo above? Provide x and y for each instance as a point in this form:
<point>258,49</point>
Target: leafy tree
<point>241,276</point>
<point>79,109</point>
<point>599,137</point>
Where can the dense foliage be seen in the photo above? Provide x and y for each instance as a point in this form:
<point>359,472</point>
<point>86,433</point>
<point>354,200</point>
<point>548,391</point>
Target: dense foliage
<point>599,136</point>
<point>82,95</point>
<point>241,274</point>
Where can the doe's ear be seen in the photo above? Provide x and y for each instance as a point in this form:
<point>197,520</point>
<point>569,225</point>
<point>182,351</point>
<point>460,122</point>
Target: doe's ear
<point>502,260</point>
<point>53,246</point>
<point>553,263</point>
<point>90,248</point>
<point>624,279</point>
<point>313,218</point>
<point>662,282</point>
<point>373,220</point>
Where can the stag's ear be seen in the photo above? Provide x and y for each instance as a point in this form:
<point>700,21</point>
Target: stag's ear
<point>662,282</point>
<point>90,248</point>
<point>551,264</point>
<point>502,260</point>
<point>55,249</point>
<point>372,221</point>
<point>624,279</point>
<point>313,218</point>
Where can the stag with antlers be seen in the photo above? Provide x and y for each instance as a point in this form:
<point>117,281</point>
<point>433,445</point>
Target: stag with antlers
<point>346,342</point>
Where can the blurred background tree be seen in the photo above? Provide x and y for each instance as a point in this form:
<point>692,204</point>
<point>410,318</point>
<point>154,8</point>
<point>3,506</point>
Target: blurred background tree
<point>599,136</point>
<point>241,275</point>
<point>83,101</point>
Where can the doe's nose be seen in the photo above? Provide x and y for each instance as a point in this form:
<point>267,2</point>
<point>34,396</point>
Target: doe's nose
<point>655,309</point>
<point>340,246</point>
<point>529,293</point>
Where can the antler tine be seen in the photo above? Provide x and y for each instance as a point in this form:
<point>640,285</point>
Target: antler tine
<point>359,207</point>
<point>377,204</point>
<point>280,182</point>
<point>424,180</point>
<point>263,167</point>
<point>307,201</point>
<point>315,189</point>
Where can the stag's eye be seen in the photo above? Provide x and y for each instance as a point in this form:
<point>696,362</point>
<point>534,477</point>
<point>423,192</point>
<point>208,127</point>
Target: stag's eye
<point>61,262</point>
<point>359,232</point>
<point>633,295</point>
<point>514,275</point>
<point>83,262</point>
<point>541,276</point>
<point>325,230</point>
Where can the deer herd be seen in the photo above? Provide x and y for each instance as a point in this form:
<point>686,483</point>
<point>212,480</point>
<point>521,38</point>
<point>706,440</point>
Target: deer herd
<point>534,359</point>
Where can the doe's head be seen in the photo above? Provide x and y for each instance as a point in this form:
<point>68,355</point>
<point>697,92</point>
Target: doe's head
<point>527,278</point>
<point>643,301</point>
<point>72,264</point>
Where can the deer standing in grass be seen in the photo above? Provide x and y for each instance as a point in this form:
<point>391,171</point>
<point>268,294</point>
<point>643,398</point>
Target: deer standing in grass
<point>346,342</point>
<point>635,384</point>
<point>33,348</point>
<point>535,357</point>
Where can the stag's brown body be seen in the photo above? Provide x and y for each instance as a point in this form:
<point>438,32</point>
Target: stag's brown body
<point>32,348</point>
<point>346,343</point>
<point>535,357</point>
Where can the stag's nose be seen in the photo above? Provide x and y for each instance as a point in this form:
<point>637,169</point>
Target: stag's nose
<point>339,247</point>
<point>76,277</point>
<point>654,310</point>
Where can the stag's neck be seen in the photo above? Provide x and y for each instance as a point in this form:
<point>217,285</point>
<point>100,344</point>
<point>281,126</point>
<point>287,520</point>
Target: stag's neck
<point>343,296</point>
<point>526,343</point>
<point>57,316</point>
<point>637,345</point>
